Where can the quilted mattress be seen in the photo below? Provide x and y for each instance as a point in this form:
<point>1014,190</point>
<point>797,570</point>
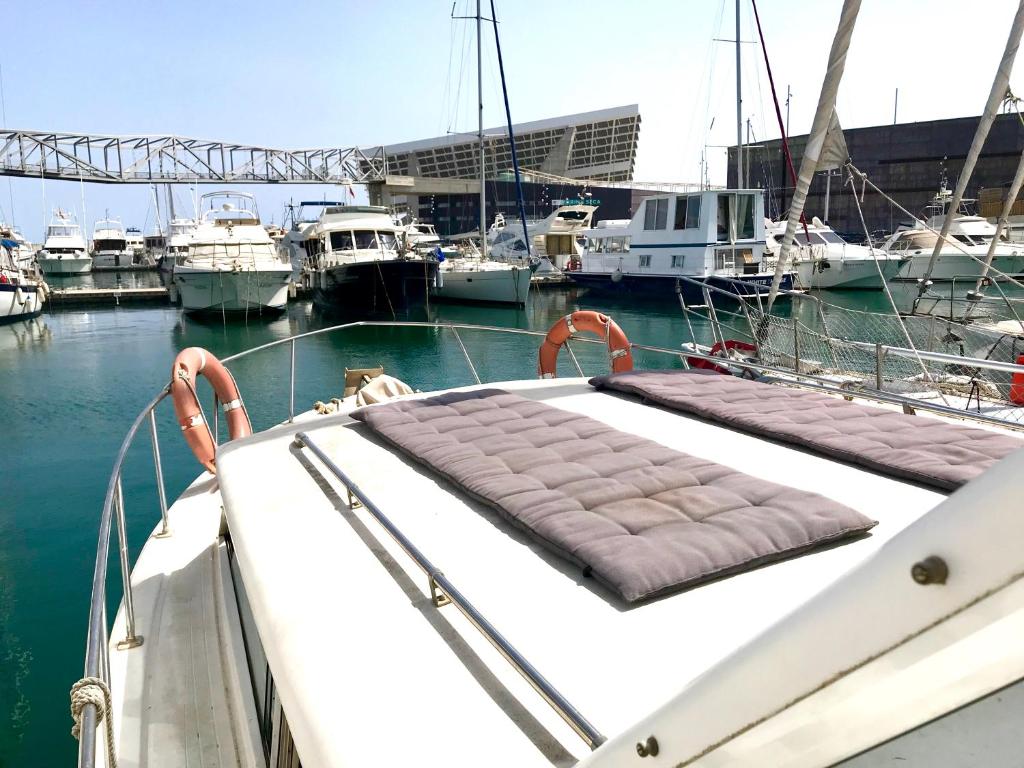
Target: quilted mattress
<point>926,450</point>
<point>642,518</point>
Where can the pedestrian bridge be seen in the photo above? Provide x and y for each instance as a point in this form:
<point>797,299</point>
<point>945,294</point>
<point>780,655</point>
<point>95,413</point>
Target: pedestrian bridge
<point>170,159</point>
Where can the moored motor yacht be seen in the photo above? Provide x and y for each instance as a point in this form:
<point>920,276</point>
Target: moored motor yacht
<point>716,236</point>
<point>873,595</point>
<point>963,253</point>
<point>822,258</point>
<point>179,235</point>
<point>136,245</point>
<point>555,241</point>
<point>356,260</point>
<point>232,265</point>
<point>21,293</point>
<point>110,245</point>
<point>64,249</point>
<point>300,220</point>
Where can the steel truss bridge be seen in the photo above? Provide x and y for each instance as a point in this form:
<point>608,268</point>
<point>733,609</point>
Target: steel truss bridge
<point>170,159</point>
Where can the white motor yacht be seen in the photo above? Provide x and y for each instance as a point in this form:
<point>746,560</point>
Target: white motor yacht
<point>179,235</point>
<point>136,245</point>
<point>627,571</point>
<point>822,258</point>
<point>713,236</point>
<point>356,260</point>
<point>22,252</point>
<point>64,249</point>
<point>300,220</point>
<point>555,241</point>
<point>110,245</point>
<point>21,293</point>
<point>964,251</point>
<point>466,276</point>
<point>231,265</point>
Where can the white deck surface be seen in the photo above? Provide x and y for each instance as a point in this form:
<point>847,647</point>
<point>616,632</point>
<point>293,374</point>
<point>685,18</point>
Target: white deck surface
<point>370,673</point>
<point>184,696</point>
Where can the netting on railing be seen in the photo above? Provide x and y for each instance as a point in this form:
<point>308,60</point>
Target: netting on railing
<point>848,345</point>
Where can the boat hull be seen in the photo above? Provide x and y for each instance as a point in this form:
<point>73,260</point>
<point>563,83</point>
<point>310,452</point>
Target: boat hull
<point>113,258</point>
<point>19,302</point>
<point>64,265</point>
<point>665,285</point>
<point>381,286</point>
<point>491,286</point>
<point>859,274</point>
<point>949,266</point>
<point>229,291</point>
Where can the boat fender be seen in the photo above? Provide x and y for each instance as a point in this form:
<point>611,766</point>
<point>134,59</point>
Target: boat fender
<point>619,348</point>
<point>188,365</point>
<point>1017,384</point>
<point>19,296</point>
<point>617,276</point>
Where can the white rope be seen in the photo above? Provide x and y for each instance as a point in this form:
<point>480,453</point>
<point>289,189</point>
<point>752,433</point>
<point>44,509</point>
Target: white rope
<point>93,690</point>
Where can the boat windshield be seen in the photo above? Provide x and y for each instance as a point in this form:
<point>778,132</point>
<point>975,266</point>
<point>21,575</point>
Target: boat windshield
<point>110,245</point>
<point>573,215</point>
<point>831,237</point>
<point>62,231</point>
<point>388,240</point>
<point>366,240</point>
<point>915,240</point>
<point>341,241</point>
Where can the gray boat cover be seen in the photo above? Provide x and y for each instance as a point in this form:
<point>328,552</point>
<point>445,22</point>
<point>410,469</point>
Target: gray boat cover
<point>929,451</point>
<point>642,518</point>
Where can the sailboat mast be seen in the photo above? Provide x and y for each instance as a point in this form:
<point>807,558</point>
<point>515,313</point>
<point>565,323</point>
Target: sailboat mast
<point>739,105</point>
<point>480,130</point>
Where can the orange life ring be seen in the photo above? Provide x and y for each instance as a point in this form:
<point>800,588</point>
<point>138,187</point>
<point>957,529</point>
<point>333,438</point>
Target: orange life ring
<point>1017,384</point>
<point>584,320</point>
<point>187,366</point>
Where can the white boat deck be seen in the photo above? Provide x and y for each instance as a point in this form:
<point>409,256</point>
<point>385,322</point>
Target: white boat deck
<point>328,586</point>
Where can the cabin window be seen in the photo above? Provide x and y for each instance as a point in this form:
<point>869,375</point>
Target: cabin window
<point>645,260</point>
<point>677,261</point>
<point>687,212</point>
<point>831,237</point>
<point>109,245</point>
<point>656,213</point>
<point>388,240</point>
<point>744,216</point>
<point>366,240</point>
<point>615,245</point>
<point>625,244</point>
<point>518,245</point>
<point>341,241</point>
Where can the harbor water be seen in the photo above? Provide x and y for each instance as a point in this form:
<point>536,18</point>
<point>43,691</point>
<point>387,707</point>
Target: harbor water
<point>72,383</point>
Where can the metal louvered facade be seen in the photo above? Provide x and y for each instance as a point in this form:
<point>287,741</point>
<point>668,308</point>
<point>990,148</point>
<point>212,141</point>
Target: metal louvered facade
<point>597,145</point>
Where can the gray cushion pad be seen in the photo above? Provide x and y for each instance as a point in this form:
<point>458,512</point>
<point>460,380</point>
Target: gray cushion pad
<point>643,518</point>
<point>929,451</point>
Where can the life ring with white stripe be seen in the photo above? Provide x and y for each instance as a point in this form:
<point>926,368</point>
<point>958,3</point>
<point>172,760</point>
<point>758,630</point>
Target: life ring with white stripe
<point>619,348</point>
<point>188,365</point>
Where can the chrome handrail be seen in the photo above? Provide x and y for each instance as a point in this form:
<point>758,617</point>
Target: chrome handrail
<point>97,639</point>
<point>444,591</point>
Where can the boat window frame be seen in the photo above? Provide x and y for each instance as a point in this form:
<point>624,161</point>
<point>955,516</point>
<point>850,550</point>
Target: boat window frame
<point>687,213</point>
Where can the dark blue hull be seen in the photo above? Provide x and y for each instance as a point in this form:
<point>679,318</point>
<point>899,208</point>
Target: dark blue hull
<point>664,286</point>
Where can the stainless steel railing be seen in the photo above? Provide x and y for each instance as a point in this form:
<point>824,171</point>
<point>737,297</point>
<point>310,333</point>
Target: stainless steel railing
<point>112,516</point>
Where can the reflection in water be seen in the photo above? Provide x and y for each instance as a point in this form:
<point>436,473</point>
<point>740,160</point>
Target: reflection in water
<point>25,335</point>
<point>133,279</point>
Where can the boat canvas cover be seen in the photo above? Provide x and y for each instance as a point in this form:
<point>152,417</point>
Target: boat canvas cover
<point>906,447</point>
<point>642,518</point>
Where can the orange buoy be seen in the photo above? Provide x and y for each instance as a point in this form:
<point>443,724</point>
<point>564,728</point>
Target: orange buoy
<point>187,366</point>
<point>1017,384</point>
<point>584,320</point>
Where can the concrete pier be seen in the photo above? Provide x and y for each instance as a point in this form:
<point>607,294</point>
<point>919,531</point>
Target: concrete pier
<point>96,297</point>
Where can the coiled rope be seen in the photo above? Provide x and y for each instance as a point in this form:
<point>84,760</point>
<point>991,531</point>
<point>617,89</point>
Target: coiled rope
<point>93,690</point>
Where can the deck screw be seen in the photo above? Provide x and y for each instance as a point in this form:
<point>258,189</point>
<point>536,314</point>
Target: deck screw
<point>931,570</point>
<point>649,747</point>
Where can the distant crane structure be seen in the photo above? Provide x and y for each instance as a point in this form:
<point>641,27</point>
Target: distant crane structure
<point>170,159</point>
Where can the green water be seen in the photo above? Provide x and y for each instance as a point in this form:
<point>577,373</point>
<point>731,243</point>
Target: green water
<point>72,382</point>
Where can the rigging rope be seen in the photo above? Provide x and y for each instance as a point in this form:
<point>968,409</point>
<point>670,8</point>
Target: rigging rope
<point>93,690</point>
<point>888,293</point>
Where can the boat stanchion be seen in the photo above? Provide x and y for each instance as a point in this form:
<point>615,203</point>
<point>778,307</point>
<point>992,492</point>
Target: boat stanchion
<point>165,529</point>
<point>131,640</point>
<point>291,385</point>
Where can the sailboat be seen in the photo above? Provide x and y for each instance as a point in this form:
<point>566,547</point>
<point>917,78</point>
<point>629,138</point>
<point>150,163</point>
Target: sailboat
<point>475,277</point>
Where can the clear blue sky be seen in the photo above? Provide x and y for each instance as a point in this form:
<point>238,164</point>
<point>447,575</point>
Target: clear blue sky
<point>321,73</point>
